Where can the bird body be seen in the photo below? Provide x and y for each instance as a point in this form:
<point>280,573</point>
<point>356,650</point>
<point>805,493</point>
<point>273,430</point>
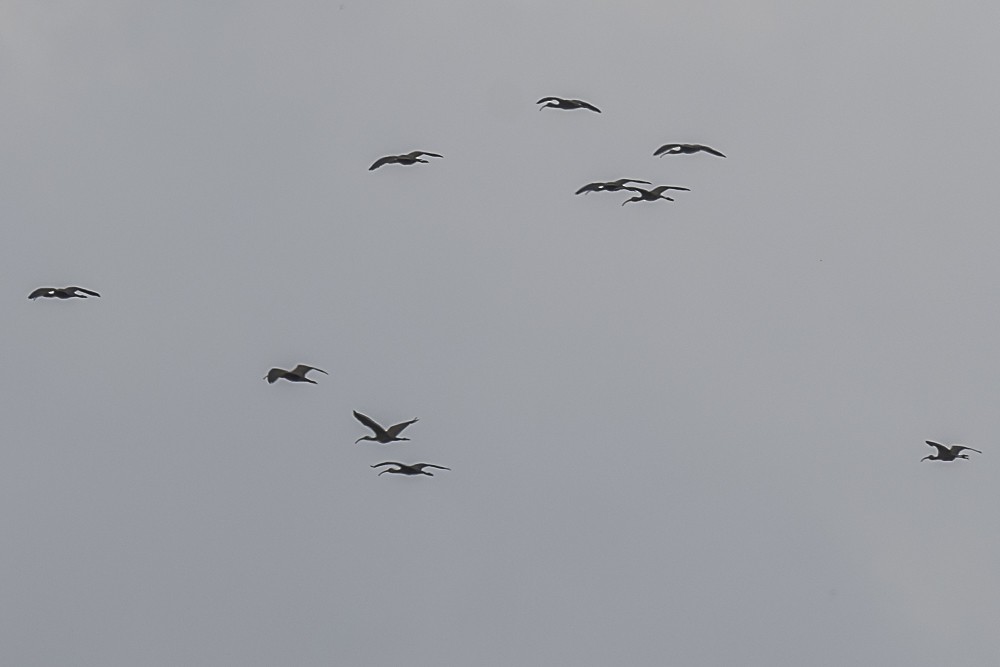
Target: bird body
<point>412,157</point>
<point>297,374</point>
<point>946,453</point>
<point>408,468</point>
<point>382,435</point>
<point>675,149</point>
<point>652,195</point>
<point>561,103</point>
<point>608,186</point>
<point>61,293</point>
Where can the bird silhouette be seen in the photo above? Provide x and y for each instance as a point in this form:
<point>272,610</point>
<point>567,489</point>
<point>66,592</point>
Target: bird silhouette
<point>408,468</point>
<point>652,195</point>
<point>946,453</point>
<point>608,186</point>
<point>61,293</point>
<point>675,149</point>
<point>382,435</point>
<point>297,374</point>
<point>560,103</point>
<point>412,157</point>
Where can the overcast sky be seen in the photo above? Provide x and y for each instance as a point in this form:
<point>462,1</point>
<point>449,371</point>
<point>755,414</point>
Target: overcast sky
<point>680,433</point>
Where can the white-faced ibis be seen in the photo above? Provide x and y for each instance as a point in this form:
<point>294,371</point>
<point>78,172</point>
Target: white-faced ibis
<point>946,453</point>
<point>61,293</point>
<point>608,186</point>
<point>652,195</point>
<point>382,435</point>
<point>412,157</point>
<point>297,374</point>
<point>676,149</point>
<point>560,103</point>
<point>408,468</point>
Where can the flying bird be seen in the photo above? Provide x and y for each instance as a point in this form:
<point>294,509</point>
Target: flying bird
<point>61,293</point>
<point>560,103</point>
<point>412,157</point>
<point>946,453</point>
<point>608,186</point>
<point>674,149</point>
<point>652,195</point>
<point>382,435</point>
<point>297,374</point>
<point>408,468</point>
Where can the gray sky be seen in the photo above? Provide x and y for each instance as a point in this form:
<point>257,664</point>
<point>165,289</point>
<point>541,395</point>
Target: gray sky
<point>681,433</point>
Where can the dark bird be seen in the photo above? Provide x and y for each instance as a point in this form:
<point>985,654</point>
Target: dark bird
<point>608,186</point>
<point>945,453</point>
<point>412,157</point>
<point>382,435</point>
<point>61,293</point>
<point>560,103</point>
<point>408,469</point>
<point>297,374</point>
<point>652,195</point>
<point>674,149</point>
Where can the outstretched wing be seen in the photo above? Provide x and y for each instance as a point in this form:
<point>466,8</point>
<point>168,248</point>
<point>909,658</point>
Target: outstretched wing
<point>302,369</point>
<point>942,449</point>
<point>421,466</point>
<point>549,99</point>
<point>80,289</point>
<point>958,448</point>
<point>623,181</point>
<point>389,463</point>
<point>709,149</point>
<point>395,429</point>
<point>42,291</point>
<point>388,159</point>
<point>667,148</point>
<point>370,423</point>
<point>416,154</point>
<point>587,105</point>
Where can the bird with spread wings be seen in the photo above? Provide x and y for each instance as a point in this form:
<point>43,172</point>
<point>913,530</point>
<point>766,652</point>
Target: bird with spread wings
<point>562,103</point>
<point>297,374</point>
<point>61,293</point>
<point>381,435</point>
<point>412,157</point>
<point>946,453</point>
<point>676,149</point>
<point>408,468</point>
